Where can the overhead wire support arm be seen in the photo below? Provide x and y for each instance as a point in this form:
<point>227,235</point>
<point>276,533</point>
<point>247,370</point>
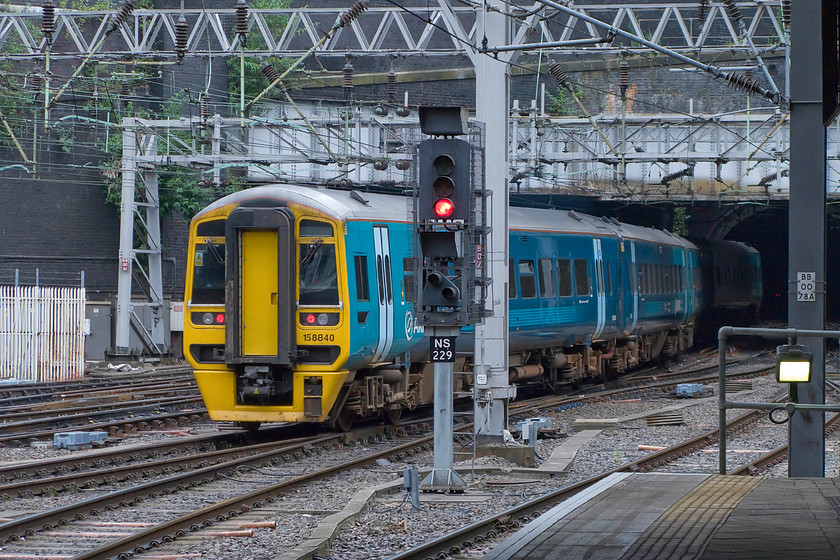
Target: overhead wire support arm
<point>527,46</point>
<point>738,81</point>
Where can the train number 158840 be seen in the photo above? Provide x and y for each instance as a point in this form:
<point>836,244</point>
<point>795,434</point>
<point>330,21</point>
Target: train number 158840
<point>318,337</point>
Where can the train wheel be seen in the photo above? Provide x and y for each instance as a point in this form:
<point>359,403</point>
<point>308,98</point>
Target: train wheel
<point>343,421</point>
<point>393,415</point>
<point>250,426</point>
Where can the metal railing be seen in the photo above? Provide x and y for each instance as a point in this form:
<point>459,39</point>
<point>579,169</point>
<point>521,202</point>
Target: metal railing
<point>774,408</point>
<point>42,333</point>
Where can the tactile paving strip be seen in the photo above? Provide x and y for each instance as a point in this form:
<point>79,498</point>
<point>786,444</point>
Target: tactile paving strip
<point>683,530</point>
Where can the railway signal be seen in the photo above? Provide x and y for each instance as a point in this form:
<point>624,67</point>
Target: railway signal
<point>440,291</point>
<point>444,179</point>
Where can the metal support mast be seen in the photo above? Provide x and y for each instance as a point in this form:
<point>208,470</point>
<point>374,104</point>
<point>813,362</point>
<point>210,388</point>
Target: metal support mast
<point>492,93</point>
<point>146,260</point>
<point>807,227</point>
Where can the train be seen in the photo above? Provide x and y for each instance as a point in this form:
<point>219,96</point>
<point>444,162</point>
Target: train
<point>300,303</point>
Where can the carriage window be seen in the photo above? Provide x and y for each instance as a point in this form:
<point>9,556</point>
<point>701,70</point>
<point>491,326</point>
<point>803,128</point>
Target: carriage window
<point>582,278</point>
<point>209,273</point>
<point>607,277</point>
<point>564,274</point>
<point>511,280</point>
<point>409,285</point>
<point>311,228</point>
<point>642,281</point>
<point>546,278</point>
<point>527,279</point>
<point>318,278</point>
<point>362,288</point>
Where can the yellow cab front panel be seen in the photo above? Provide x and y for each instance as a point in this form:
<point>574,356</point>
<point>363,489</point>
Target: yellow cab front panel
<point>258,294</point>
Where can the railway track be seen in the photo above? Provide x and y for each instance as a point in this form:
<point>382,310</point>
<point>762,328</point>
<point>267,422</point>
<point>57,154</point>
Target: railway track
<point>12,394</point>
<point>499,524</point>
<point>70,524</point>
<point>29,534</point>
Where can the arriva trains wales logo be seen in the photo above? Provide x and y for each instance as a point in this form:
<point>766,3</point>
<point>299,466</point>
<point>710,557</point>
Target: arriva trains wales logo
<point>411,328</point>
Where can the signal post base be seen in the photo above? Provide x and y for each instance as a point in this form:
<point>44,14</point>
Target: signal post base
<point>443,480</point>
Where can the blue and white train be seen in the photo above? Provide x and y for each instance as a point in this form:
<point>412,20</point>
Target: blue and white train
<point>300,303</point>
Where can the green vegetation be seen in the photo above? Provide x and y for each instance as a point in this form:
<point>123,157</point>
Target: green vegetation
<point>563,103</point>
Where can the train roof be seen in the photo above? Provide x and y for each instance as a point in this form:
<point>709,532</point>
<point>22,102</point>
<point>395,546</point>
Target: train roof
<point>354,205</point>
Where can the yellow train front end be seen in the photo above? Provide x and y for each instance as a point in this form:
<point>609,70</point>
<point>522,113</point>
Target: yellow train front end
<point>265,327</point>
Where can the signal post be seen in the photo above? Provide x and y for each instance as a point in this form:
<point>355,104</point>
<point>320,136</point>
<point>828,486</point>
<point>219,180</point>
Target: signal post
<point>445,205</point>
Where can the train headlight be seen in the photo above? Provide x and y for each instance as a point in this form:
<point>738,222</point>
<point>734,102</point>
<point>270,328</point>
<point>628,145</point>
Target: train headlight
<point>319,319</point>
<point>207,318</point>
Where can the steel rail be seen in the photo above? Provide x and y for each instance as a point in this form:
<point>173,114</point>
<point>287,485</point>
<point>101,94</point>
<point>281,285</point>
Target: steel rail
<point>207,516</point>
<point>492,526</point>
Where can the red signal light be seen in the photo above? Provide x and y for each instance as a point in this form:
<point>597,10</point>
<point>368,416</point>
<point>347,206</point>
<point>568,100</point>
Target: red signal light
<point>220,318</point>
<point>310,319</point>
<point>444,208</point>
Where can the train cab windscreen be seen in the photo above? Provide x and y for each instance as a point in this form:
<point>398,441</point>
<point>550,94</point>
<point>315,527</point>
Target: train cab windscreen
<point>209,273</point>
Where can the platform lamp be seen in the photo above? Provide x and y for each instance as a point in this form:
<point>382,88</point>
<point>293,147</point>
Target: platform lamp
<point>793,363</point>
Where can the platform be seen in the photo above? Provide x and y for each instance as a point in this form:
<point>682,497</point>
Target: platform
<point>681,516</point>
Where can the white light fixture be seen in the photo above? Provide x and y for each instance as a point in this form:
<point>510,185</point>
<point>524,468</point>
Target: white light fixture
<point>793,363</point>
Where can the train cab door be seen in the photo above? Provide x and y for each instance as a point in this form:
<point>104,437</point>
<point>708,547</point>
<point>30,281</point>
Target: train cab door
<point>259,280</point>
<point>600,291</point>
<point>385,292</point>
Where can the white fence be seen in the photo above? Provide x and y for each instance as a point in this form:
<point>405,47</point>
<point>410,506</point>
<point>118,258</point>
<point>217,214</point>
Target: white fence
<point>42,333</point>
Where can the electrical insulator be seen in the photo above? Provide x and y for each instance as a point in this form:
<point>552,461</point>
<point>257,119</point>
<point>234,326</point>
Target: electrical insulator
<point>392,83</point>
<point>380,111</point>
<point>402,164</point>
<point>181,32</point>
<point>125,11</point>
<point>734,12</point>
<point>786,13</point>
<point>742,83</point>
<point>269,71</point>
<point>347,71</point>
<point>703,10</point>
<point>403,111</point>
<point>558,73</point>
<point>48,19</point>
<point>204,106</point>
<point>36,81</point>
<point>687,172</point>
<point>345,183</point>
<point>125,89</point>
<point>241,19</point>
<point>354,12</point>
<point>380,164</point>
<point>624,78</point>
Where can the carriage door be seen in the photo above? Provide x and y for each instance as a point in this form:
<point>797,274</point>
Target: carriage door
<point>633,283</point>
<point>385,294</point>
<point>600,290</point>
